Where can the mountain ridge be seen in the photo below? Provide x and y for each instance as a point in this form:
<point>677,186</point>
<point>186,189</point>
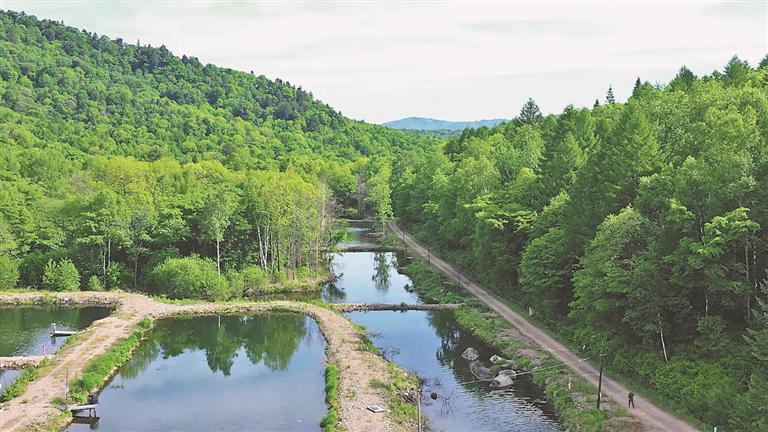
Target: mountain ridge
<point>432,124</point>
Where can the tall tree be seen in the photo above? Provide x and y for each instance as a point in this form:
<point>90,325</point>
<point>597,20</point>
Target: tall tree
<point>530,113</point>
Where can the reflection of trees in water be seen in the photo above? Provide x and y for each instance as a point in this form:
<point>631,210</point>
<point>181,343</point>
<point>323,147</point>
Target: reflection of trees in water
<point>22,325</point>
<point>140,360</point>
<point>334,294</point>
<point>382,263</point>
<point>271,339</point>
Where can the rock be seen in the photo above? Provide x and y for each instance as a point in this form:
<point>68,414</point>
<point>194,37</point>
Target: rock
<point>479,371</point>
<point>508,372</point>
<point>502,381</point>
<point>470,354</point>
<point>496,359</point>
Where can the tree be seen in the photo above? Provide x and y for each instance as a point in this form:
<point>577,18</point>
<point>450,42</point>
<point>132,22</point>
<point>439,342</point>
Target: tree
<point>61,276</point>
<point>683,80</point>
<point>638,84</point>
<point>609,98</point>
<point>530,113</point>
<point>736,72</point>
<point>763,63</point>
<point>219,207</point>
<point>9,272</point>
<point>380,195</point>
<point>596,104</point>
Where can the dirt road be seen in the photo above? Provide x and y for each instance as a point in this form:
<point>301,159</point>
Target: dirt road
<point>652,417</point>
<point>33,410</point>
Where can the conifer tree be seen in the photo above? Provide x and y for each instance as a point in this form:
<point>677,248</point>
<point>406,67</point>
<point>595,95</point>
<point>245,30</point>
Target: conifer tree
<point>596,104</point>
<point>638,84</point>
<point>609,98</point>
<point>530,113</point>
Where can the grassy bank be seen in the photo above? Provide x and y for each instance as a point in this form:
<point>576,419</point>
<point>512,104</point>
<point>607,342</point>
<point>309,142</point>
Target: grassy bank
<point>98,371</point>
<point>331,421</point>
<point>29,374</point>
<point>572,397</point>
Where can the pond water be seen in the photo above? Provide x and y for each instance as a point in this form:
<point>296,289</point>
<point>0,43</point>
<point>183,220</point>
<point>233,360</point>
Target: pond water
<point>430,344</point>
<point>360,234</point>
<point>260,372</point>
<point>27,330</point>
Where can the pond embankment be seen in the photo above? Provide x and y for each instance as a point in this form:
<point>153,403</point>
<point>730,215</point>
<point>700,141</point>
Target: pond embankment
<point>358,374</point>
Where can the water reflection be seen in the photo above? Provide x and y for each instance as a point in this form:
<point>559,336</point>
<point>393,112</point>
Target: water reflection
<point>382,266</point>
<point>26,331</point>
<point>262,372</point>
<point>430,343</point>
<point>368,277</point>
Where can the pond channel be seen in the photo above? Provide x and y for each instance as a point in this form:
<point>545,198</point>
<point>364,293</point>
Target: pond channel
<point>430,343</point>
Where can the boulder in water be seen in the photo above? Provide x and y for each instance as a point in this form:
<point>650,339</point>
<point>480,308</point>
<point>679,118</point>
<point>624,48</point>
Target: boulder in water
<point>508,372</point>
<point>470,354</point>
<point>479,371</point>
<point>502,381</point>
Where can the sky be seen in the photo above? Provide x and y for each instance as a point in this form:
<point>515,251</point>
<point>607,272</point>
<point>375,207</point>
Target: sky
<point>380,61</point>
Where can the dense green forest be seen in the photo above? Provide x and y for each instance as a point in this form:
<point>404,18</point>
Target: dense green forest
<point>636,229</point>
<point>124,166</point>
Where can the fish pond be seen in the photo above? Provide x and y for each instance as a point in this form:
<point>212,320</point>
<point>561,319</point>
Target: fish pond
<point>26,330</point>
<point>231,373</point>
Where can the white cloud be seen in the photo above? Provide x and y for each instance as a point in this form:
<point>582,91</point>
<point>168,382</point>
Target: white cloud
<point>458,61</point>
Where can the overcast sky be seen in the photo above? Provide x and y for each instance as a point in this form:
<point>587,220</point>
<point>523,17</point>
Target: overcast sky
<point>449,60</point>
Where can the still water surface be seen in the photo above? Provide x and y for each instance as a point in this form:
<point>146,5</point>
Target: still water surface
<point>251,373</point>
<point>27,330</point>
<point>430,344</point>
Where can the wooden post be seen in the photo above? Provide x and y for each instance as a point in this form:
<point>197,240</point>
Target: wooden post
<point>419,409</point>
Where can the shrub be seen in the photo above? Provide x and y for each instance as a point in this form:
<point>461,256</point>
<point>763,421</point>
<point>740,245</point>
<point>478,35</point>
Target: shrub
<point>254,279</point>
<point>9,272</point>
<point>61,276</point>
<point>94,284</point>
<point>191,277</point>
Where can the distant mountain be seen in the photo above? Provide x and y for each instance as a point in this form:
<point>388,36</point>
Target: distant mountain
<point>428,124</point>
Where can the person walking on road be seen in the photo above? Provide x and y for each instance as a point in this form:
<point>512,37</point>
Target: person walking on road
<point>631,402</point>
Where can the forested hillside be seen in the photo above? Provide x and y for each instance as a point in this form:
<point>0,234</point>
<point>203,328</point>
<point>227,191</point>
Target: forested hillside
<point>635,229</point>
<point>124,166</point>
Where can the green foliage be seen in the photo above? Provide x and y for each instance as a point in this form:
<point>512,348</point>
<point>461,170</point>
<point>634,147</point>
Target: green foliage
<point>29,374</point>
<point>118,156</point>
<point>9,272</point>
<point>641,225</point>
<point>94,284</point>
<point>330,423</point>
<point>191,277</point>
<point>61,276</point>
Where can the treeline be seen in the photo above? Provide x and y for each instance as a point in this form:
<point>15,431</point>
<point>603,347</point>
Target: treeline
<point>117,218</point>
<point>124,166</point>
<point>636,229</point>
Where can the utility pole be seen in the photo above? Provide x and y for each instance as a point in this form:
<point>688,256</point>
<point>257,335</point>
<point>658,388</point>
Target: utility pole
<point>600,379</point>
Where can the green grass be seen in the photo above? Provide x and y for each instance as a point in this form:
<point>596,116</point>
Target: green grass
<point>29,374</point>
<point>330,423</point>
<point>402,391</point>
<point>99,370</point>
